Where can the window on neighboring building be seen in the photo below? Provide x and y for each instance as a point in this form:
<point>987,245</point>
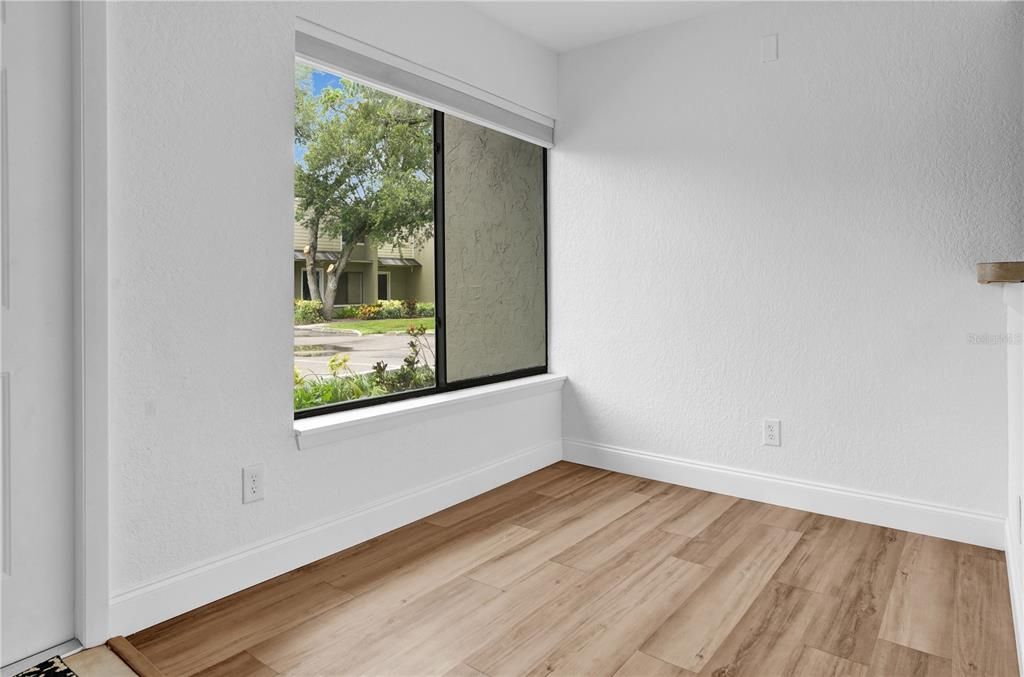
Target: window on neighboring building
<point>304,282</point>
<point>350,288</point>
<point>453,210</point>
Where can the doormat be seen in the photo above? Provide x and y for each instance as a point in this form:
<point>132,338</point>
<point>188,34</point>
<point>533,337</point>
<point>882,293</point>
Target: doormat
<point>53,666</point>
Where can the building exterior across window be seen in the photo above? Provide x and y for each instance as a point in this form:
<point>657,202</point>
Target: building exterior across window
<point>401,272</point>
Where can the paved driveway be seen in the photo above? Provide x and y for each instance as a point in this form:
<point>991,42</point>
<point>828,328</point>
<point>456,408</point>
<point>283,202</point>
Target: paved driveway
<point>365,351</point>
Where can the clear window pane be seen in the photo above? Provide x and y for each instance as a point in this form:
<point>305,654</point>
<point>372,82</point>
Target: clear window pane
<point>494,252</point>
<point>362,242</point>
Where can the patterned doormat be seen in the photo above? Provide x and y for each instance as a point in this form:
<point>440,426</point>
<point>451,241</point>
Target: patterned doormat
<point>53,666</point>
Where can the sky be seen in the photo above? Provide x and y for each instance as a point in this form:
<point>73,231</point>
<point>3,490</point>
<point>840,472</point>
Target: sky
<point>321,80</point>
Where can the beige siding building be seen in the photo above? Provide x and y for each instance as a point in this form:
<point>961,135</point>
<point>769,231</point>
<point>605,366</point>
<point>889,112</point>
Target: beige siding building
<point>373,273</point>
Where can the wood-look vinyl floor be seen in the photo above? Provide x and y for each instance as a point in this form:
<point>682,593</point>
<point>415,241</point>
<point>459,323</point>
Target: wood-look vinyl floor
<point>578,571</point>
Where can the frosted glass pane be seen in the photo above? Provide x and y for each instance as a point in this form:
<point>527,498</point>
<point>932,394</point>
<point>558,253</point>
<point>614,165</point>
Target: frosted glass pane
<point>494,252</point>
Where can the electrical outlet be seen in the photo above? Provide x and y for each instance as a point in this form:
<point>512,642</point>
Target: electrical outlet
<point>252,483</point>
<point>771,435</point>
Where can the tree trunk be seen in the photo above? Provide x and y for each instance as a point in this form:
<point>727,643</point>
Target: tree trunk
<point>333,275</point>
<point>310,253</point>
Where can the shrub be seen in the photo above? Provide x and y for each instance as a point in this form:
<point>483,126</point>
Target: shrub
<point>370,312</point>
<point>423,310</point>
<point>390,309</point>
<point>317,391</point>
<point>308,312</point>
<point>346,312</point>
<point>415,371</point>
<point>343,384</point>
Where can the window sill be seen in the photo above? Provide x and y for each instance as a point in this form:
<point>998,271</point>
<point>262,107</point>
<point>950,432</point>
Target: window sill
<point>320,430</point>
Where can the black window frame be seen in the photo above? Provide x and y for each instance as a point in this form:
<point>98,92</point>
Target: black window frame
<point>441,384</point>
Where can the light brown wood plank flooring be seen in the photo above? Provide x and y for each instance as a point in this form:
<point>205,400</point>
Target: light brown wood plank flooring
<point>578,571</point>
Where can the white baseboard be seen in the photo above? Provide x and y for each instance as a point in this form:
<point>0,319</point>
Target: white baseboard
<point>157,601</point>
<point>1013,553</point>
<point>889,511</point>
<point>213,579</point>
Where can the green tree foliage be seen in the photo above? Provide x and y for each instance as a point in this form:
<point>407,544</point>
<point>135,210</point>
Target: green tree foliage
<point>365,173</point>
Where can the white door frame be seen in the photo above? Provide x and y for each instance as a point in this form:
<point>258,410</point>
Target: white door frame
<point>91,418</point>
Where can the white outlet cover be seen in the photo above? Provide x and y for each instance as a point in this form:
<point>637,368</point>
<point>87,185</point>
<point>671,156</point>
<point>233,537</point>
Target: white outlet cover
<point>252,483</point>
<point>771,433</point>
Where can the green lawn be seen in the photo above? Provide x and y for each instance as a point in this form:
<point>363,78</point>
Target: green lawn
<point>383,326</point>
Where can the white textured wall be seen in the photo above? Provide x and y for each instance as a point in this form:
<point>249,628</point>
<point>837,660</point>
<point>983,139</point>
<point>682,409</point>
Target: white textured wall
<point>732,240</point>
<point>201,275</point>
